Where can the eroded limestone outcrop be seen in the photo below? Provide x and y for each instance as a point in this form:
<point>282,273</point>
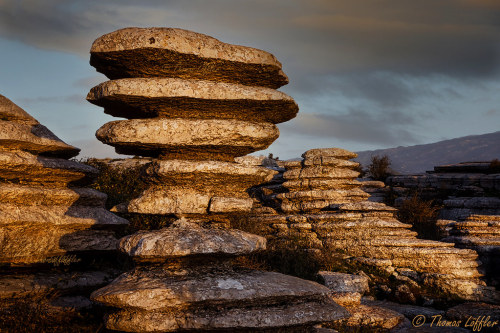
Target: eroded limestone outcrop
<point>47,217</point>
<point>44,211</point>
<point>195,104</point>
<point>319,201</point>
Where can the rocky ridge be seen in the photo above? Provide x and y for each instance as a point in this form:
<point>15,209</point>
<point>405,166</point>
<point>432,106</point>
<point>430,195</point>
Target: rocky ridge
<point>194,105</point>
<point>319,202</point>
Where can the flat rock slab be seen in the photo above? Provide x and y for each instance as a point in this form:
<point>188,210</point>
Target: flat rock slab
<point>158,289</point>
<point>170,52</point>
<point>370,317</point>
<point>243,319</point>
<point>27,244</point>
<point>217,176</point>
<point>65,216</point>
<point>23,167</point>
<point>312,154</point>
<point>166,201</point>
<point>24,284</point>
<point>341,282</point>
<point>219,139</point>
<point>23,195</point>
<point>188,239</point>
<point>320,184</point>
<point>9,111</point>
<point>196,99</point>
<point>36,139</point>
<point>320,171</point>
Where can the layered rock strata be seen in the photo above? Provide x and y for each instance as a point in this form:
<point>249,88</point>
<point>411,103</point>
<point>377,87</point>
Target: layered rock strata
<point>44,211</point>
<point>320,203</point>
<point>470,206</point>
<point>193,105</point>
<point>48,220</point>
<point>193,286</point>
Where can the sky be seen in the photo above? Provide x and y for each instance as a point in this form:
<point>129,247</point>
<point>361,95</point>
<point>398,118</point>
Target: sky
<point>366,74</point>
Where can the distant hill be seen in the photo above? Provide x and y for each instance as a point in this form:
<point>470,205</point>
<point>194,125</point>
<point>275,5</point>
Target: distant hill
<point>421,158</point>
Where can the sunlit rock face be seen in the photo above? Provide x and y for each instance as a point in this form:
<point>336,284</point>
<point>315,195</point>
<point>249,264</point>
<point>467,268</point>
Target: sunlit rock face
<point>319,201</point>
<point>44,210</point>
<point>193,104</point>
<point>47,218</point>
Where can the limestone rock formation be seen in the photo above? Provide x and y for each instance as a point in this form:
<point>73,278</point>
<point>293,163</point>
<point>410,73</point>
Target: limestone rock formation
<point>195,287</point>
<point>48,220</point>
<point>320,203</point>
<point>170,52</point>
<point>195,104</point>
<point>43,210</point>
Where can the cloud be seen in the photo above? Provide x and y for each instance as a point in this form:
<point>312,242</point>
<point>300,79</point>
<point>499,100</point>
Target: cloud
<point>452,37</point>
<point>73,99</point>
<point>388,128</point>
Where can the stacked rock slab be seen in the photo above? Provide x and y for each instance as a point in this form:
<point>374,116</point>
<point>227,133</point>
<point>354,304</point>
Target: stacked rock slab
<point>193,105</point>
<point>44,211</point>
<point>480,233</point>
<point>47,218</point>
<point>194,287</point>
<point>320,203</point>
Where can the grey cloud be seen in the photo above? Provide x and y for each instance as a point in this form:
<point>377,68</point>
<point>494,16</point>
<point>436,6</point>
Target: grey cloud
<point>357,126</point>
<point>75,98</point>
<point>454,37</point>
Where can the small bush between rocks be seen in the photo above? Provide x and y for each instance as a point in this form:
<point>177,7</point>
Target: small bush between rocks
<point>421,214</point>
<point>379,168</point>
<point>122,185</point>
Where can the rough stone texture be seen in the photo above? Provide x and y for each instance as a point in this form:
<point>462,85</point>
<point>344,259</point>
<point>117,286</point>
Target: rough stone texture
<point>25,168</point>
<point>470,212</point>
<point>177,98</point>
<point>341,282</point>
<point>371,318</point>
<point>40,216</point>
<point>36,139</point>
<point>170,52</point>
<point>192,138</point>
<point>188,239</point>
<point>196,128</point>
<point>324,207</point>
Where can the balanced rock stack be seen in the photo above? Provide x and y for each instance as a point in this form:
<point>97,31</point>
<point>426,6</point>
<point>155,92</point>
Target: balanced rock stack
<point>44,211</point>
<point>320,203</point>
<point>46,218</point>
<point>194,104</point>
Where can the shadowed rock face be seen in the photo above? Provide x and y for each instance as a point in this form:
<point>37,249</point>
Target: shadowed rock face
<point>203,103</point>
<point>170,52</point>
<point>200,99</point>
<point>42,214</point>
<point>319,200</point>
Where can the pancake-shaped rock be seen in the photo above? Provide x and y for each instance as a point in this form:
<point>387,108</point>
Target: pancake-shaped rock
<point>43,196</point>
<point>9,111</point>
<point>320,171</point>
<point>187,239</point>
<point>84,216</point>
<point>218,139</point>
<point>295,318</point>
<point>25,168</point>
<point>330,152</point>
<point>178,98</point>
<point>36,139</point>
<point>27,244</point>
<point>218,176</point>
<point>170,52</point>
